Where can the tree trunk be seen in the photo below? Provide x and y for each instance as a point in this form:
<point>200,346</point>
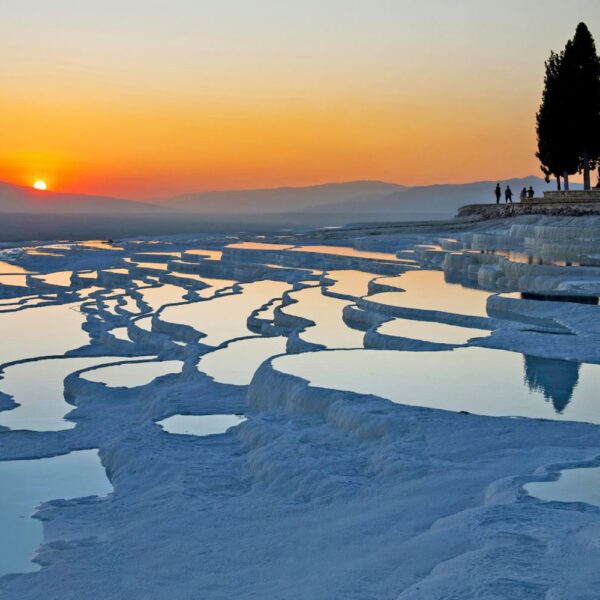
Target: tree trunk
<point>586,170</point>
<point>566,180</point>
<point>558,182</point>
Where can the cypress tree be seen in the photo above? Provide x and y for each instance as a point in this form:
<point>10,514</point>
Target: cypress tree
<point>584,87</point>
<point>546,122</point>
<point>569,137</point>
<point>556,143</point>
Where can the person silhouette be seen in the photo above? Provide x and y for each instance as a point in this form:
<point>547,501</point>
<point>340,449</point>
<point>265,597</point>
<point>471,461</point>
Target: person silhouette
<point>498,193</point>
<point>508,195</point>
<point>530,192</point>
<point>523,195</point>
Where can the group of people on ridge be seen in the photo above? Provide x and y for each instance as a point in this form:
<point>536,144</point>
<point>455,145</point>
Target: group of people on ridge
<point>508,195</point>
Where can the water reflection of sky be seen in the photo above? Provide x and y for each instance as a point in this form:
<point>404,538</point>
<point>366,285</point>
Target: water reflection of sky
<point>41,331</point>
<point>428,290</point>
<point>259,246</point>
<point>26,483</point>
<point>200,425</point>
<point>59,278</point>
<point>207,254</point>
<point>225,318</point>
<point>572,485</point>
<point>158,296</point>
<point>133,374</point>
<point>38,388</point>
<point>347,251</point>
<point>12,279</point>
<point>350,282</point>
<point>7,268</point>
<point>237,362</point>
<point>430,331</point>
<point>477,380</point>
<point>326,312</point>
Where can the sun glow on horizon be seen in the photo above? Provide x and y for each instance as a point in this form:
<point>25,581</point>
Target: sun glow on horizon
<point>187,100</point>
<point>40,185</point>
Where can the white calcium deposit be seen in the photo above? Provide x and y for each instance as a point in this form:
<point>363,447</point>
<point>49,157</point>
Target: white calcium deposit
<point>356,413</point>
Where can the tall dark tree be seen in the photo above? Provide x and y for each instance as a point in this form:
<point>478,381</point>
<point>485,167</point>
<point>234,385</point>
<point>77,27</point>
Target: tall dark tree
<point>584,80</point>
<point>556,141</point>
<point>568,122</point>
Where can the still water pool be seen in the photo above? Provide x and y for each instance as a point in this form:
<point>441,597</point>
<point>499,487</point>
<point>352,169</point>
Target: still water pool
<point>572,485</point>
<point>133,374</point>
<point>238,361</point>
<point>38,388</point>
<point>27,483</point>
<point>200,425</point>
<point>477,380</point>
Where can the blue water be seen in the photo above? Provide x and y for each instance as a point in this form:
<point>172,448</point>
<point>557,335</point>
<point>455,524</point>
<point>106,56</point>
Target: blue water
<point>200,425</point>
<point>572,485</point>
<point>27,483</point>
<point>477,380</point>
<point>38,388</point>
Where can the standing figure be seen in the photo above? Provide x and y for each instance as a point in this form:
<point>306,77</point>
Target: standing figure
<point>498,193</point>
<point>530,192</point>
<point>523,196</point>
<point>508,195</point>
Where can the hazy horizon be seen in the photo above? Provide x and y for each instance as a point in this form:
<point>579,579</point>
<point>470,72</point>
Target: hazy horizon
<point>153,99</point>
<point>324,184</point>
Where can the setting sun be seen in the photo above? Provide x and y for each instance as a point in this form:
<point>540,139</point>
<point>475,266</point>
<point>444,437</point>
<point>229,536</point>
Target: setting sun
<point>39,185</point>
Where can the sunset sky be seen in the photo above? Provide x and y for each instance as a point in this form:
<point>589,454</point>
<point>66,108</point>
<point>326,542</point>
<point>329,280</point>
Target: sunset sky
<point>150,98</point>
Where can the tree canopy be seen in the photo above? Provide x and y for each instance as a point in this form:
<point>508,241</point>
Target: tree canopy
<point>568,121</point>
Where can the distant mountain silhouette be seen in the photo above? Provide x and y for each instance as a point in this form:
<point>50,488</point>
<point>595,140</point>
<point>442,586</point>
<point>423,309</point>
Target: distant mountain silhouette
<point>340,203</point>
<point>18,199</point>
<point>430,201</point>
<point>319,205</point>
<point>284,199</point>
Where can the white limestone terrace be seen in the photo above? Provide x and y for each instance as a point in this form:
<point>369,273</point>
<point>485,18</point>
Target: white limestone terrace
<point>351,413</point>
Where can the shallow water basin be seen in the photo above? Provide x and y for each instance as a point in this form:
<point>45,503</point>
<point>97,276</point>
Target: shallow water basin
<point>427,290</point>
<point>7,268</point>
<point>200,425</point>
<point>120,333</point>
<point>133,374</point>
<point>259,246</point>
<point>38,388</point>
<point>224,318</point>
<point>59,278</point>
<point>326,312</point>
<point>99,245</point>
<point>27,483</point>
<point>350,282</point>
<point>153,266</point>
<point>207,254</point>
<point>144,323</point>
<point>572,485</point>
<point>347,251</point>
<point>477,380</point>
<point>18,280</point>
<point>237,362</point>
<point>41,331</point>
<point>156,297</point>
<point>430,331</point>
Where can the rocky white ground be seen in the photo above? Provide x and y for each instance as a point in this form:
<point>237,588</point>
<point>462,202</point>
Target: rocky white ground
<point>342,487</point>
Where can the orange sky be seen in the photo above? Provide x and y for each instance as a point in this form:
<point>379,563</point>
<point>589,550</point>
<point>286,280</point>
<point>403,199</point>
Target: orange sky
<point>147,100</point>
